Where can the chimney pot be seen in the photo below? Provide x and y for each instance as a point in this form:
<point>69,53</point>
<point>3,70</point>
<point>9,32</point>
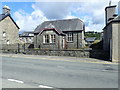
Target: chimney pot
<point>6,10</point>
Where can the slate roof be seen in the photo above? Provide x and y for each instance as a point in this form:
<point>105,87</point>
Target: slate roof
<point>110,6</point>
<point>116,19</point>
<point>3,16</point>
<point>90,39</point>
<point>61,25</point>
<point>27,34</point>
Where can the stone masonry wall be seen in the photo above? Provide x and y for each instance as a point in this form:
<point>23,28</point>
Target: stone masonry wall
<point>115,38</point>
<point>48,45</point>
<point>86,53</point>
<point>72,53</point>
<point>11,31</point>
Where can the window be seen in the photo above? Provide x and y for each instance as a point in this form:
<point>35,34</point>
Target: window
<point>30,39</point>
<point>70,37</point>
<point>8,42</point>
<point>52,39</point>
<point>49,39</point>
<point>46,39</point>
<point>4,34</point>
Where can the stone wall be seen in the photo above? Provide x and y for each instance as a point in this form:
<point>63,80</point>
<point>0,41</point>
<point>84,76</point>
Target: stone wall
<point>86,53</point>
<point>38,40</point>
<point>72,53</point>
<point>98,54</point>
<point>116,40</point>
<point>78,40</point>
<point>11,31</point>
<point>107,37</point>
<point>119,41</point>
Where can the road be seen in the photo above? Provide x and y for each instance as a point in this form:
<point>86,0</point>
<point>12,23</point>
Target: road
<point>25,71</point>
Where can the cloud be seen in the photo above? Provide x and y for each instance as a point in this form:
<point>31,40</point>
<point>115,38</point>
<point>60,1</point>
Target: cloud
<point>94,27</point>
<point>28,22</point>
<point>54,10</point>
<point>70,17</point>
<point>119,7</point>
<point>91,13</point>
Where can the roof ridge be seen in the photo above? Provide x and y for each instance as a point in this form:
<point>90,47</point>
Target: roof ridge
<point>63,20</point>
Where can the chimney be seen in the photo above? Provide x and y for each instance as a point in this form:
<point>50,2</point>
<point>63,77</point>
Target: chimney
<point>110,3</point>
<point>109,13</point>
<point>6,10</point>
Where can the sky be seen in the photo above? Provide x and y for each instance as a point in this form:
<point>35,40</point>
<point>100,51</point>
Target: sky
<point>28,15</point>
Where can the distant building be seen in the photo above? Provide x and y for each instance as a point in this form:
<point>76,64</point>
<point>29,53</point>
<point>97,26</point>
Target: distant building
<point>60,34</point>
<point>111,33</point>
<point>27,37</point>
<point>90,40</point>
<point>8,28</point>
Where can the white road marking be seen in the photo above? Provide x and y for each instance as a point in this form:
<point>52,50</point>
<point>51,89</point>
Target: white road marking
<point>13,80</point>
<point>43,86</point>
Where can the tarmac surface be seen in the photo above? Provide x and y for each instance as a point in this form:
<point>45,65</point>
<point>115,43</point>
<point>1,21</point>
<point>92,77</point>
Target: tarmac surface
<point>39,71</point>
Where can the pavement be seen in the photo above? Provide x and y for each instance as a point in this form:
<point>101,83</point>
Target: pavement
<point>60,58</point>
<point>37,71</point>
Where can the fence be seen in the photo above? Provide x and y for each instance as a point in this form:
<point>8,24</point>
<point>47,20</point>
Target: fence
<point>14,48</point>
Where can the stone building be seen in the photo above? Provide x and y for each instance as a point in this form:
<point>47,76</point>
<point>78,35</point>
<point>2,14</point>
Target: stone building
<point>27,37</point>
<point>8,28</point>
<point>111,31</point>
<point>60,34</point>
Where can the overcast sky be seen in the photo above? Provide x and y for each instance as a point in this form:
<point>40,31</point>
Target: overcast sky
<point>30,14</point>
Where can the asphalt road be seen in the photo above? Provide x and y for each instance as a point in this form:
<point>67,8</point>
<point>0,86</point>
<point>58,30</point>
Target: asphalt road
<point>49,72</point>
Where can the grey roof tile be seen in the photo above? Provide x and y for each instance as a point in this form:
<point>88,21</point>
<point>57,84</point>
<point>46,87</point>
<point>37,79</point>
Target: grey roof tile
<point>61,25</point>
<point>2,16</point>
<point>26,34</point>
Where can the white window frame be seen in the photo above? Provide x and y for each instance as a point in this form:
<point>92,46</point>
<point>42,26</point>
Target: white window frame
<point>4,34</point>
<point>46,39</point>
<point>52,38</point>
<point>8,42</point>
<point>70,37</point>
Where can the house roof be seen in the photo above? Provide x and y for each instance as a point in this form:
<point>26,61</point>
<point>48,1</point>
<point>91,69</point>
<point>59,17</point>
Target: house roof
<point>27,34</point>
<point>90,39</point>
<point>116,19</point>
<point>61,25</point>
<point>3,16</point>
<point>110,6</point>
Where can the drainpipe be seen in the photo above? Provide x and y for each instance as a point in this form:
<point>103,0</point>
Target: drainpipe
<point>77,40</point>
<point>36,41</point>
<point>111,49</point>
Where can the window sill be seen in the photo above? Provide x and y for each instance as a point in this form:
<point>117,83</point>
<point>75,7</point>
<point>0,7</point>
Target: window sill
<point>48,43</point>
<point>69,41</point>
